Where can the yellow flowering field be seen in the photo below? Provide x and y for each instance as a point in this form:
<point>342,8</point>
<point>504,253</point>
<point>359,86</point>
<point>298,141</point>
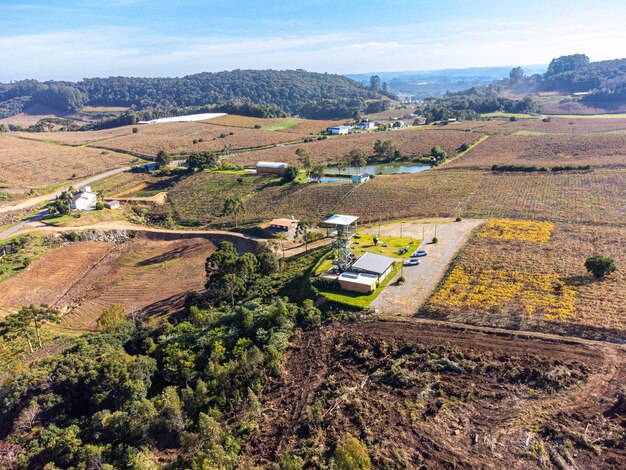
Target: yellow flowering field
<point>524,230</point>
<point>486,290</point>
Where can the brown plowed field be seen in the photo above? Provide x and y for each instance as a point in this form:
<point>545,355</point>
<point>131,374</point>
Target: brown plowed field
<point>546,150</point>
<point>429,396</point>
<point>556,125</point>
<point>85,278</point>
<point>412,141</point>
<point>28,164</point>
<point>178,137</point>
<point>303,126</point>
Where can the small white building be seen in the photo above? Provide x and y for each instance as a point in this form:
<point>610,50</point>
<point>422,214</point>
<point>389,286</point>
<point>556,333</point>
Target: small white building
<point>339,130</point>
<point>85,198</point>
<point>112,204</point>
<point>365,125</point>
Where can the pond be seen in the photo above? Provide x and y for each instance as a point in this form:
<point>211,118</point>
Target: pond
<point>381,169</point>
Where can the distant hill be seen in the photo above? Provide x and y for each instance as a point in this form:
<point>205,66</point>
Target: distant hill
<point>435,83</point>
<point>291,91</point>
<point>579,84</point>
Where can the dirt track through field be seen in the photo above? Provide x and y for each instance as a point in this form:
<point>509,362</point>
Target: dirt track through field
<point>420,281</point>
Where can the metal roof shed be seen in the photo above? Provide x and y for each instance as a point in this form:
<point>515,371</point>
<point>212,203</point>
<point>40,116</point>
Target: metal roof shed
<point>373,263</point>
<point>343,220</point>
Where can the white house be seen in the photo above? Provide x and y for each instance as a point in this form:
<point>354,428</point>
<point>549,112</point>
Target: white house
<point>83,199</point>
<point>338,130</point>
<point>365,124</point>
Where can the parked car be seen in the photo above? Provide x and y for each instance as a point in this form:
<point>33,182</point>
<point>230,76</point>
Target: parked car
<point>412,262</point>
<point>419,253</point>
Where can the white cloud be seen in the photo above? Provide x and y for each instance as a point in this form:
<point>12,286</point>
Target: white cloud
<point>108,51</point>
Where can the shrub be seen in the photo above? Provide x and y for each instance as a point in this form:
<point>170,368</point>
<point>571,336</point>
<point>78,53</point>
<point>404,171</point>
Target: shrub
<point>599,266</point>
<point>458,219</point>
<point>257,126</point>
<point>111,318</point>
<point>464,147</point>
<point>351,455</point>
<point>135,130</point>
<point>99,205</point>
<point>291,173</point>
<point>513,118</point>
<point>401,279</point>
<point>435,240</point>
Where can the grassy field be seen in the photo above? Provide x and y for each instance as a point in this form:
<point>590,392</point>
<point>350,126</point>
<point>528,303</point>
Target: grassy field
<point>531,276</point>
<point>500,114</point>
<point>31,248</point>
<point>355,299</point>
<point>279,126</point>
<point>364,242</point>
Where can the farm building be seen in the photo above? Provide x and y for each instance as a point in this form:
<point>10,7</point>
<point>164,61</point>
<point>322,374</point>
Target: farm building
<point>358,282</point>
<point>360,178</point>
<point>338,130</point>
<point>112,204</point>
<point>83,199</point>
<point>271,168</point>
<point>146,167</point>
<point>284,224</point>
<point>365,124</point>
<point>371,263</point>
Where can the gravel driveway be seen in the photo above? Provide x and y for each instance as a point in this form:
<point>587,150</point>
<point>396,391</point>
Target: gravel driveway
<point>421,280</point>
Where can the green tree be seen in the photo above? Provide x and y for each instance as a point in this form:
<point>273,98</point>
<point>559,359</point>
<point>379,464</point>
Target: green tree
<point>302,230</point>
<point>438,154</point>
<point>567,63</point>
<point>291,173</point>
<point>202,161</point>
<point>268,261</point>
<point>111,318</point>
<point>306,160</point>
<point>351,455</point>
<point>317,172</point>
<point>383,149</point>
<point>4,128</point>
<point>62,204</point>
<point>516,74</point>
<point>600,266</point>
<point>163,158</point>
<point>357,158</point>
<point>375,83</point>
<point>234,206</point>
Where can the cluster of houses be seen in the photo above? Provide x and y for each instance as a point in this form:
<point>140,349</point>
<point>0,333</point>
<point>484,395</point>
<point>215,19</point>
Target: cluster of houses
<point>364,125</point>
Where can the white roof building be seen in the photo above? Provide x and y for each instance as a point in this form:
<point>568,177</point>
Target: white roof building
<point>343,220</point>
<point>83,199</point>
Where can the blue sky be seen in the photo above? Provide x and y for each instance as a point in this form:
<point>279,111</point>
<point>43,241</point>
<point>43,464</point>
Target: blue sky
<point>74,39</point>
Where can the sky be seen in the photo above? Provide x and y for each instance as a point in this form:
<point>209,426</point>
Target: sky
<point>73,39</point>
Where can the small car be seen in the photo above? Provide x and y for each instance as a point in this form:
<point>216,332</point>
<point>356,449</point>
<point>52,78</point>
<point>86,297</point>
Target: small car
<point>419,253</point>
<point>412,262</point>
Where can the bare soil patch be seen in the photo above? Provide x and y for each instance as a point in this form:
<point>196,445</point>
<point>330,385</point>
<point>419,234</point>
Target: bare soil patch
<point>425,396</point>
<point>84,278</point>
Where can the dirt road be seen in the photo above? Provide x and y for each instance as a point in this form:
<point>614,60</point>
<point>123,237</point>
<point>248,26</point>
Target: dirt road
<point>39,200</point>
<point>422,279</point>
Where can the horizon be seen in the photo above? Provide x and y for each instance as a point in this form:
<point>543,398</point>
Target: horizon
<point>71,40</point>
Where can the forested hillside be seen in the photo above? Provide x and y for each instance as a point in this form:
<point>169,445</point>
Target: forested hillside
<point>295,91</point>
<point>603,82</point>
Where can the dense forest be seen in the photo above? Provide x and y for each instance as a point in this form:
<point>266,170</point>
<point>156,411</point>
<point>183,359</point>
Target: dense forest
<point>605,83</point>
<point>293,91</point>
<point>183,391</point>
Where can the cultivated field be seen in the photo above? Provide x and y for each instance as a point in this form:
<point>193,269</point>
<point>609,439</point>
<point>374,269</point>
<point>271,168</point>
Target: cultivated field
<point>27,164</point>
<point>178,138</point>
<point>598,196</point>
<point>291,125</point>
<point>200,198</point>
<point>547,150</point>
<point>424,396</point>
<point>531,276</point>
<point>85,278</point>
<point>556,125</point>
<point>411,141</point>
<point>77,138</point>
